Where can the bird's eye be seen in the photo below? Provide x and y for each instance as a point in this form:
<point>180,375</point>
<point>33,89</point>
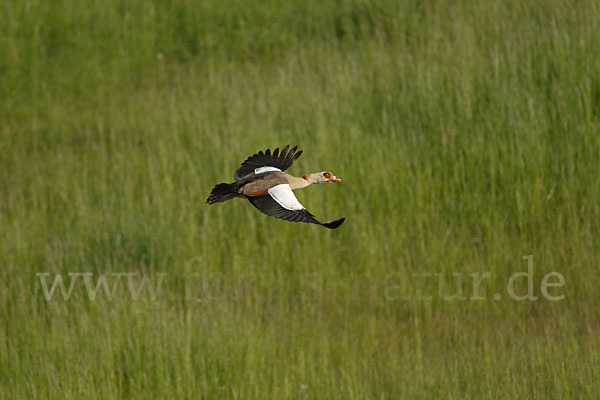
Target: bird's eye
<point>327,175</point>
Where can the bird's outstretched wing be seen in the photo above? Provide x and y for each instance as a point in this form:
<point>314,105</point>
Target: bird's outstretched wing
<point>267,162</point>
<point>280,202</point>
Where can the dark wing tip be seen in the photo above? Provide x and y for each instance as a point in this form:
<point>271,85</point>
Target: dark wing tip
<point>334,224</point>
<point>283,152</point>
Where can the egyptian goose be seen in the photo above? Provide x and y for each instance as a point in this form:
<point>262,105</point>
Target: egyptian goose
<point>262,180</point>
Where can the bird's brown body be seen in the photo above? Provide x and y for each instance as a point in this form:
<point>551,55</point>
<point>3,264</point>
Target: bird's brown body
<point>263,182</point>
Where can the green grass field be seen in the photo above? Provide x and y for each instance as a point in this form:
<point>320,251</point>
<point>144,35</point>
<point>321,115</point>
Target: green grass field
<point>467,134</point>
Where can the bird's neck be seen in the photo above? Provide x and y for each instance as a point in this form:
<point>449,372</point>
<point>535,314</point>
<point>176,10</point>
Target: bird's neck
<point>298,183</point>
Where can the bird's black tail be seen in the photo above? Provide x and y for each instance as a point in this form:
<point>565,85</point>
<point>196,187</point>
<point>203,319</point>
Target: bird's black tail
<point>222,192</point>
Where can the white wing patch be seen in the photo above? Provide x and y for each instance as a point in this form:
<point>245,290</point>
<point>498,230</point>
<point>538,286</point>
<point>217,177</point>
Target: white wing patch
<point>284,196</point>
<point>262,170</point>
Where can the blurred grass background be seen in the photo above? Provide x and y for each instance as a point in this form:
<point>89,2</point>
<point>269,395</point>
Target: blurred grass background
<point>467,136</point>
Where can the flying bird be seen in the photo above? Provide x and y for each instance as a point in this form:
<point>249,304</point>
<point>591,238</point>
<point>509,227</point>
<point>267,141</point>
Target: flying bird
<point>261,179</point>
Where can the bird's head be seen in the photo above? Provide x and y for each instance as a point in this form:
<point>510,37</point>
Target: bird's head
<point>322,177</point>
